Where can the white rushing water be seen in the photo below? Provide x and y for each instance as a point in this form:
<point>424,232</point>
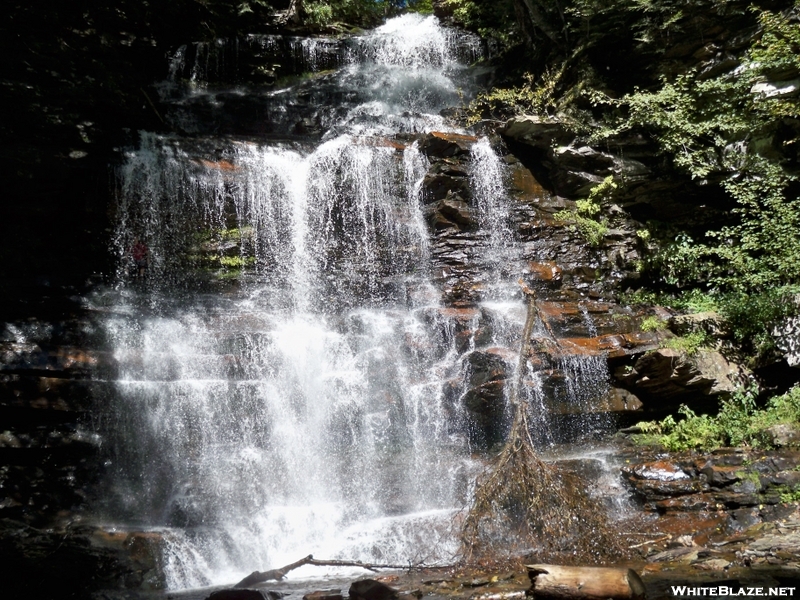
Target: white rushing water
<point>304,410</point>
<point>304,413</point>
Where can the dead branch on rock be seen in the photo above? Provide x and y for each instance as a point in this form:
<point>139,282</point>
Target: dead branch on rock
<point>278,574</point>
<point>524,505</point>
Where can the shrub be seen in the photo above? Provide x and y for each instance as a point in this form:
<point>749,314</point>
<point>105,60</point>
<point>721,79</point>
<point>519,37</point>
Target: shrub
<point>690,343</point>
<point>585,219</point>
<point>652,323</point>
<point>738,423</point>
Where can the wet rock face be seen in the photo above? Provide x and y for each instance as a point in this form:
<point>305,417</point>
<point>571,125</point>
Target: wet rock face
<point>728,481</point>
<point>447,187</point>
<point>50,453</point>
<point>484,400</point>
<point>75,562</point>
<point>787,336</point>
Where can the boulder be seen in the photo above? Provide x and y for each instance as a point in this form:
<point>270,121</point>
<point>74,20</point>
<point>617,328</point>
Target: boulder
<point>523,184</point>
<point>445,145</point>
<point>370,589</point>
<point>612,345</point>
<point>572,182</point>
<point>783,434</point>
<point>777,89</point>
<point>457,211</point>
<point>539,132</point>
<point>585,158</point>
<point>545,271</point>
<point>438,186</point>
<point>484,400</point>
<point>671,374</point>
<point>619,400</point>
<point>787,338</point>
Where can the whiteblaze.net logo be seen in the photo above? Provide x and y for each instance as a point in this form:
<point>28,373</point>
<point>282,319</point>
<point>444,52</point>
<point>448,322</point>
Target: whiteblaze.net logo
<point>724,591</point>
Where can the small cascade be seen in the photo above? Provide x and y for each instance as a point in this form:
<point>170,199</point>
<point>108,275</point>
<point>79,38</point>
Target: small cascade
<point>486,175</point>
<point>591,328</point>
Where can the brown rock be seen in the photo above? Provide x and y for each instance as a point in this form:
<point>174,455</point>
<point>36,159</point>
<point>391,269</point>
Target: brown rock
<point>689,503</point>
<point>535,131</point>
<point>438,186</point>
<point>611,345</point>
<point>456,211</point>
<point>721,476</point>
<point>370,589</point>
<point>652,490</point>
<point>526,187</point>
<point>546,271</point>
<point>668,373</point>
<point>324,595</point>
<point>619,400</point>
<point>444,145</point>
<point>660,470</point>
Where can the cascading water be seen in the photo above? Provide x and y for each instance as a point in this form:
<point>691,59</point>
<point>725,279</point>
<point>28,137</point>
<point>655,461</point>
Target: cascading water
<point>302,409</point>
<point>303,413</point>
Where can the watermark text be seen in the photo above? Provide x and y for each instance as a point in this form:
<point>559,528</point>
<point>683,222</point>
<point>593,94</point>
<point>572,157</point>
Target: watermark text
<point>685,591</point>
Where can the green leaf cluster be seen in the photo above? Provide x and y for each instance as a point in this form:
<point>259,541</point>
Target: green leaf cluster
<point>360,13</point>
<point>738,423</point>
<point>491,20</point>
<point>586,219</point>
<point>690,343</point>
<point>749,317</point>
<point>652,323</point>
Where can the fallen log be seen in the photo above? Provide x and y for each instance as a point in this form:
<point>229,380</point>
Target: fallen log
<point>278,574</point>
<point>552,582</point>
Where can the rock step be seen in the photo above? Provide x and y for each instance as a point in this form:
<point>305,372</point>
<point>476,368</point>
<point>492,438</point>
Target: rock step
<point>725,480</point>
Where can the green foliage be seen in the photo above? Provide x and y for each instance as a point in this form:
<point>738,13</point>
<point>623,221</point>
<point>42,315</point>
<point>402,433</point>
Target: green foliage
<point>753,316</point>
<point>424,7</point>
<point>738,423</point>
<point>585,219</point>
<point>319,13</point>
<point>790,494</point>
<point>690,343</point>
<point>236,262</point>
<point>640,297</point>
<point>749,317</point>
<point>536,95</point>
<point>721,128</point>
<point>491,20</point>
<point>652,323</point>
<point>361,13</point>
<point>777,53</point>
<point>695,301</point>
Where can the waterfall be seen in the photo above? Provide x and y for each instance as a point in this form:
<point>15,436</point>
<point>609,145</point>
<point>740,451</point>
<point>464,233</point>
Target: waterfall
<point>303,412</point>
<point>307,405</point>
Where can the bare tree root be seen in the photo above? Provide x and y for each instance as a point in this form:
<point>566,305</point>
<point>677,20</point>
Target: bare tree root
<point>523,505</point>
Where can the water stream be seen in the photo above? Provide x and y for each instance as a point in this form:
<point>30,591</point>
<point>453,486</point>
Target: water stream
<point>302,409</point>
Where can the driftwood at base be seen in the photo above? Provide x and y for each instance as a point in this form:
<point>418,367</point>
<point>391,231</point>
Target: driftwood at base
<point>552,582</point>
<point>278,574</point>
